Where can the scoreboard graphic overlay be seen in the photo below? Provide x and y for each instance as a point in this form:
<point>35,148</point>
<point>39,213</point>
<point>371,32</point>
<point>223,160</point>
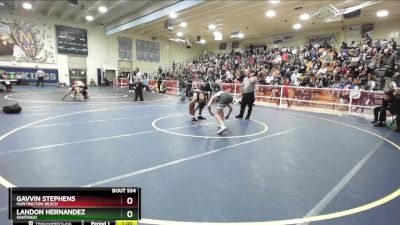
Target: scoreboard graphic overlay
<point>75,206</point>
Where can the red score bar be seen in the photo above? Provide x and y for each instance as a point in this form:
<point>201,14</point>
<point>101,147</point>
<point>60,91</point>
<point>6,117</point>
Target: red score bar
<point>89,202</point>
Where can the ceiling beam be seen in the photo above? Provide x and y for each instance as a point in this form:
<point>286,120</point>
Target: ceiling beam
<point>148,4</point>
<point>83,12</point>
<point>109,8</point>
<point>52,7</point>
<point>35,6</point>
<point>176,7</point>
<point>65,13</point>
<point>152,7</point>
<point>17,5</point>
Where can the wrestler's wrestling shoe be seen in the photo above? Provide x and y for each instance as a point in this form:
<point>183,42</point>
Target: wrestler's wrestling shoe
<point>222,129</point>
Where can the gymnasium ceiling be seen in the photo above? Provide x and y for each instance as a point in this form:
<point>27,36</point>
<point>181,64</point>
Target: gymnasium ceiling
<point>247,17</point>
<point>118,10</point>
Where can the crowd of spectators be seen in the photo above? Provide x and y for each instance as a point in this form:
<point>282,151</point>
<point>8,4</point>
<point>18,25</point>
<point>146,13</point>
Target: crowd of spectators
<point>365,65</point>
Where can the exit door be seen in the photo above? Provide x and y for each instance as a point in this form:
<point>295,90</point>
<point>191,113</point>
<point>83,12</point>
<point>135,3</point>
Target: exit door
<point>77,74</point>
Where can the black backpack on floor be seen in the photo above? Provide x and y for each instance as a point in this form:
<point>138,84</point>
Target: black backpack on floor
<point>12,109</point>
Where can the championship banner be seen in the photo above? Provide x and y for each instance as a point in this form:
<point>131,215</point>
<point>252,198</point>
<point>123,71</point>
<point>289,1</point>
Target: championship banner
<point>125,48</point>
<point>367,29</point>
<point>26,41</point>
<point>147,51</point>
<point>29,74</point>
<point>354,30</point>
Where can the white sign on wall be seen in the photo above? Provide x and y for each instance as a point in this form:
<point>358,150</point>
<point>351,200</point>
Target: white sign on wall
<point>282,39</point>
<point>328,38</point>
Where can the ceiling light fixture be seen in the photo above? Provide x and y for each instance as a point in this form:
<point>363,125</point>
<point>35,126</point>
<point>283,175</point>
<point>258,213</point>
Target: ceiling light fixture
<point>218,37</point>
<point>89,18</point>
<point>179,34</point>
<point>183,24</point>
<point>382,13</point>
<point>270,13</point>
<point>237,34</point>
<point>305,16</point>
<point>102,9</point>
<point>274,1</point>
<point>296,26</point>
<point>212,26</point>
<point>173,15</point>
<point>217,33</point>
<point>27,5</point>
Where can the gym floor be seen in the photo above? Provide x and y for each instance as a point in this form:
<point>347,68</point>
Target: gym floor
<point>285,166</point>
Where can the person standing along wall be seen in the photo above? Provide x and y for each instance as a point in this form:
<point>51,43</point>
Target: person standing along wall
<point>139,85</point>
<point>40,77</point>
<point>131,80</point>
<point>159,71</point>
<point>159,82</point>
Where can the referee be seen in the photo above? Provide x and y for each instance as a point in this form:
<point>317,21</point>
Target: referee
<point>248,87</point>
<point>139,85</point>
<point>40,77</point>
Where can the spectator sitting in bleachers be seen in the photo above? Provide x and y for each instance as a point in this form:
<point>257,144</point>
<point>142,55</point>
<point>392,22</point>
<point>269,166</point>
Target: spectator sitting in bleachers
<point>310,65</point>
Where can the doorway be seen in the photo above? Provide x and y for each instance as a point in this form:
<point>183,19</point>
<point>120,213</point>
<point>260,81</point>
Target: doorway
<point>77,74</point>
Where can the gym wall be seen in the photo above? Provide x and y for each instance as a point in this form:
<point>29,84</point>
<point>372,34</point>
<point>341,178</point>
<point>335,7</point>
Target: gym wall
<point>387,29</point>
<point>102,49</point>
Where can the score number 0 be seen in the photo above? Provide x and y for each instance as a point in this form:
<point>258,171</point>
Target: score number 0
<point>129,201</point>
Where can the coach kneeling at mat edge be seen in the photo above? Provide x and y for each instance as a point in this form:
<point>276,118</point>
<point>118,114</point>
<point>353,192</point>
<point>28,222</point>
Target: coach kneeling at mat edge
<point>390,103</point>
<point>248,88</point>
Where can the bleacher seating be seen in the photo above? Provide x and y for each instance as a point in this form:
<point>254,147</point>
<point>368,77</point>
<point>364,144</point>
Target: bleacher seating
<point>309,61</point>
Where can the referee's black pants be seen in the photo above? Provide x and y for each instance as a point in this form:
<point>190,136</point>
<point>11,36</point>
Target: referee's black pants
<point>247,99</point>
<point>40,80</point>
<point>139,91</point>
<point>131,87</point>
